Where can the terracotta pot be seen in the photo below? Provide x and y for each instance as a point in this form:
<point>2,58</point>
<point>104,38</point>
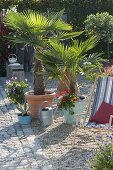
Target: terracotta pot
<point>35,101</point>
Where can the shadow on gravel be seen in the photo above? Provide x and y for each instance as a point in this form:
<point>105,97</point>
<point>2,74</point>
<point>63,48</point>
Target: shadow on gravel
<point>55,135</point>
<point>74,159</point>
<point>15,130</point>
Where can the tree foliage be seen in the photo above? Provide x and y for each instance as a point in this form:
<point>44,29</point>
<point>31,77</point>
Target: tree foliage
<point>100,25</point>
<point>77,10</point>
<point>20,4</point>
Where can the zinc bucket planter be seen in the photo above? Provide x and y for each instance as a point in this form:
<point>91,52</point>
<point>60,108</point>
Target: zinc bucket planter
<point>46,116</point>
<point>77,109</point>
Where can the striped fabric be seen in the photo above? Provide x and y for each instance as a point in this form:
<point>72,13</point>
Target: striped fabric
<point>104,92</point>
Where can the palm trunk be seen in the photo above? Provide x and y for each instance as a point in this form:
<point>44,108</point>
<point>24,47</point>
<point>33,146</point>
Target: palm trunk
<point>74,87</point>
<point>39,86</point>
<point>63,84</point>
<point>67,84</point>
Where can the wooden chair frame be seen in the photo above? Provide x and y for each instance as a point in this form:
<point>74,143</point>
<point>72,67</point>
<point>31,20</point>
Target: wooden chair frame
<point>110,124</point>
<point>84,114</point>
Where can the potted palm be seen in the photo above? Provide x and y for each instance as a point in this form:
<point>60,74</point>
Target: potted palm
<point>15,93</point>
<point>31,27</point>
<point>70,62</point>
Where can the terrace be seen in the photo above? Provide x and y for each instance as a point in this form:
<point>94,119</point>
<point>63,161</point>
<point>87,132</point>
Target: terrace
<point>39,45</point>
<point>45,148</point>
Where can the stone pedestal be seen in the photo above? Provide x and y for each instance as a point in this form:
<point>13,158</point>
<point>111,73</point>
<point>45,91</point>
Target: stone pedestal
<point>15,70</point>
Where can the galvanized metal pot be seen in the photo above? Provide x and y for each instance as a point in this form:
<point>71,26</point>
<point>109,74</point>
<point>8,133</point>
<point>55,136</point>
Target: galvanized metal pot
<point>77,109</point>
<point>46,115</point>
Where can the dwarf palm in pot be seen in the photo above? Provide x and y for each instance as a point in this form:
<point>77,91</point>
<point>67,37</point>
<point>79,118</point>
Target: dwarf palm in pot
<point>33,28</point>
<point>70,62</point>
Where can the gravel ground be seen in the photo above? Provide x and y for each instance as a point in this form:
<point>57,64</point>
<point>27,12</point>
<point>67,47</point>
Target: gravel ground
<point>56,140</point>
<point>20,145</point>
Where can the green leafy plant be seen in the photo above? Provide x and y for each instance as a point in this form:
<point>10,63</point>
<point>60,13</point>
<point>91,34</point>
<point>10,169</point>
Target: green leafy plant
<point>15,91</point>
<point>103,158</point>
<point>100,25</point>
<point>23,108</point>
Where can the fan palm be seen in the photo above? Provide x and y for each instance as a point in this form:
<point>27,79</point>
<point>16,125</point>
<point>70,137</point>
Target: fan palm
<point>72,60</point>
<point>36,29</point>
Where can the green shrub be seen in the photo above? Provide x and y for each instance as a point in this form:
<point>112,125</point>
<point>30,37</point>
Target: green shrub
<point>15,91</point>
<point>103,158</point>
<point>100,25</point>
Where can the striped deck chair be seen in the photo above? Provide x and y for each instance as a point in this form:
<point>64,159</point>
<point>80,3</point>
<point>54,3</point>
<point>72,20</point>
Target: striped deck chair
<point>104,92</point>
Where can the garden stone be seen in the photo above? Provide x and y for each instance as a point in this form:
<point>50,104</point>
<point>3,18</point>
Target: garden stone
<point>19,133</point>
<point>27,131</point>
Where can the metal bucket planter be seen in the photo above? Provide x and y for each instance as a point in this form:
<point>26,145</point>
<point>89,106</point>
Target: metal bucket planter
<point>68,118</point>
<point>24,119</point>
<point>79,108</point>
<point>46,115</point>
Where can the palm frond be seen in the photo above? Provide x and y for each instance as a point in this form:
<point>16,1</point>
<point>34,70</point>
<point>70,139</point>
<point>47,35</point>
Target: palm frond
<point>32,27</point>
<point>63,35</point>
<point>16,21</point>
<point>57,23</point>
<point>73,58</point>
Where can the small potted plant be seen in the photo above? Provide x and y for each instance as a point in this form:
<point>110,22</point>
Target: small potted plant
<point>71,105</point>
<point>23,116</point>
<point>15,93</point>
